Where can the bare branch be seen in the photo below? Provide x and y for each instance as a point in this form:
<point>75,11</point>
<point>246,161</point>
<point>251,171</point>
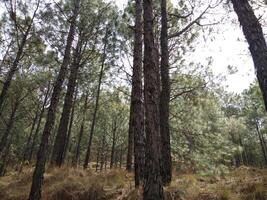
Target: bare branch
<point>186,28</point>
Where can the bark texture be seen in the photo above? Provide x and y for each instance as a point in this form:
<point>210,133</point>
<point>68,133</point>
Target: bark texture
<point>153,187</point>
<point>257,45</point>
<point>137,117</point>
<point>165,98</point>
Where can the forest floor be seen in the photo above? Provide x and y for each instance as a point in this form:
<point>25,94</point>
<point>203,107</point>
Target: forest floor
<point>76,184</point>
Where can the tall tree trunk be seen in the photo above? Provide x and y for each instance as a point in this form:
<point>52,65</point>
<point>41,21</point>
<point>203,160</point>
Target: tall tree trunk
<point>14,66</point>
<point>136,115</point>
<point>77,151</point>
<point>165,98</point>
<point>121,156</point>
<point>67,146</point>
<point>255,38</point>
<point>153,187</point>
<point>105,159</point>
<point>34,140</point>
<point>4,157</point>
<point>102,159</point>
<point>97,158</point>
<point>243,153</point>
<point>263,142</point>
<point>35,193</point>
<point>61,137</point>
<point>87,156</point>
<point>114,129</point>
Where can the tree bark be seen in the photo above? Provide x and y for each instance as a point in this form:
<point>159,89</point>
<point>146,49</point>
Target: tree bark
<point>136,115</point>
<point>153,187</point>
<point>77,151</point>
<point>4,157</point>
<point>257,45</point>
<point>87,157</point>
<point>61,137</point>
<point>97,159</point>
<point>102,157</point>
<point>165,99</point>
<point>121,156</point>
<point>112,155</point>
<point>35,193</point>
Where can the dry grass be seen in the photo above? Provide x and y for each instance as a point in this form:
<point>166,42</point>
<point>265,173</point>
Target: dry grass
<point>241,184</point>
<point>77,184</point>
<point>66,184</point>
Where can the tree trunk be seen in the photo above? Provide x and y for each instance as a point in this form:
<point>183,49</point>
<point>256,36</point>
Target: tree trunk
<point>105,160</point>
<point>243,153</point>
<point>61,137</point>
<point>153,187</point>
<point>255,38</point>
<point>77,151</point>
<point>263,142</point>
<point>114,129</point>
<point>165,98</point>
<point>87,157</point>
<point>97,159</point>
<point>4,158</point>
<point>102,157</point>
<point>34,140</point>
<point>121,156</point>
<point>136,115</point>
<point>35,193</point>
<point>67,146</point>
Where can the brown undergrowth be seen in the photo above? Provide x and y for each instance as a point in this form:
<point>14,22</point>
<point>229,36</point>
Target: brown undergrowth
<point>76,184</point>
